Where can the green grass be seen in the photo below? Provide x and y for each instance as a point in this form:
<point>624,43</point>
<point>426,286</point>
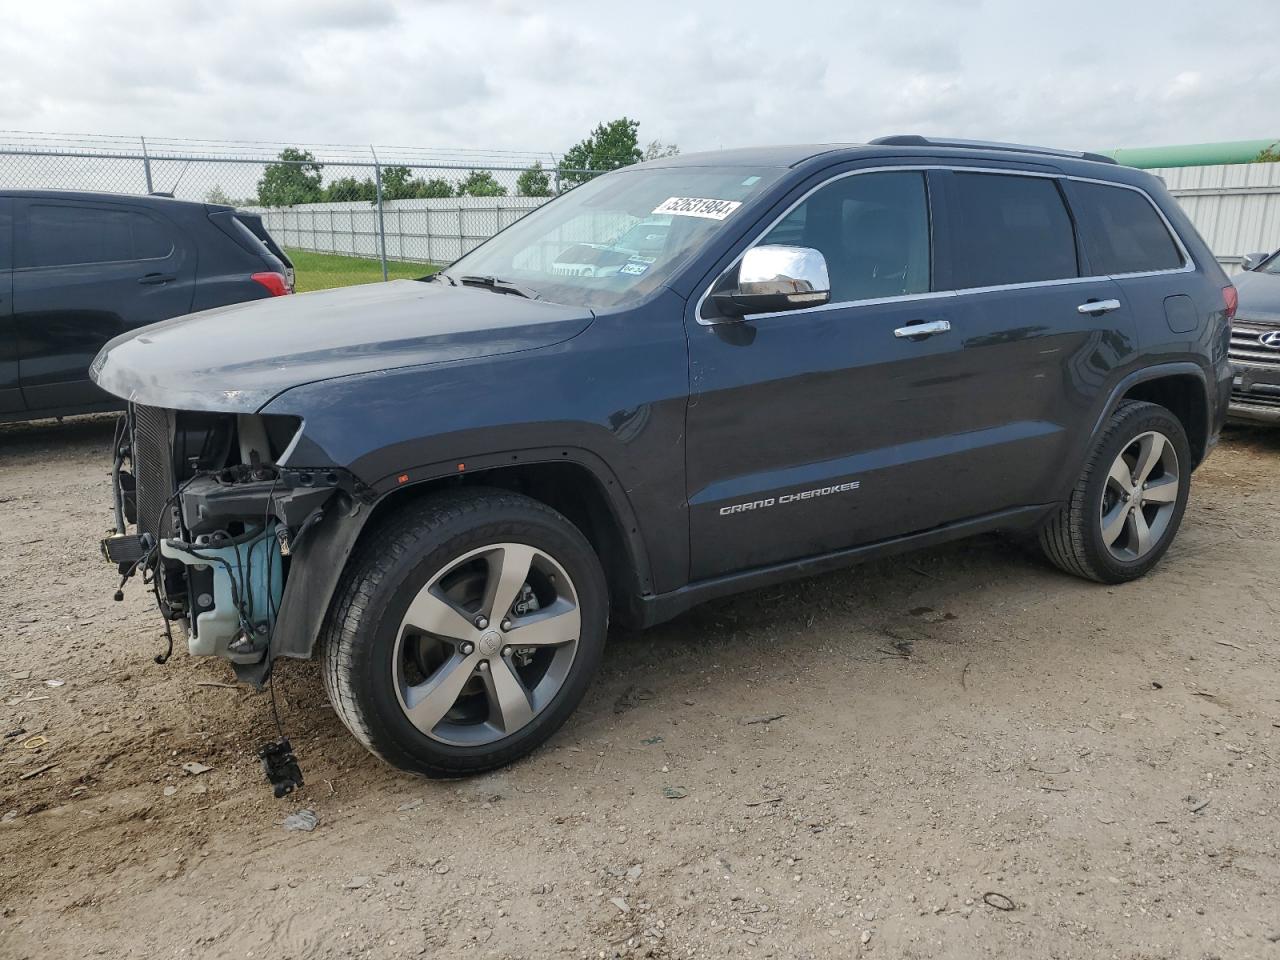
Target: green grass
<point>320,271</point>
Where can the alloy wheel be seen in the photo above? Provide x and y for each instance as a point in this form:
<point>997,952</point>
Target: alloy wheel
<point>1140,496</point>
<point>486,644</point>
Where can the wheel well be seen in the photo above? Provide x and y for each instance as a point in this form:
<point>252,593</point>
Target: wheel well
<point>574,491</point>
<point>1183,395</point>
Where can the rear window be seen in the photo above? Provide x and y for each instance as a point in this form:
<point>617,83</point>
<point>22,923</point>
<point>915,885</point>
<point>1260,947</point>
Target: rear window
<point>1012,230</point>
<point>58,235</point>
<point>1123,233</point>
<point>254,225</point>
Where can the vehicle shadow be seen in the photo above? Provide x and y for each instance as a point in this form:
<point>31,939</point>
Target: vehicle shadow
<point>72,433</point>
<point>1257,439</point>
<point>894,608</point>
<point>745,655</point>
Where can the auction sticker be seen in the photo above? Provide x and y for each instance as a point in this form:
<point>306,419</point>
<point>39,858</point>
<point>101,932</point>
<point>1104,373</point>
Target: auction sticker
<point>697,207</point>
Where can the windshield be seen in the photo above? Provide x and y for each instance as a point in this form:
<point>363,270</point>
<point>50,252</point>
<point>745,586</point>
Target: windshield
<point>1272,265</point>
<point>617,238</point>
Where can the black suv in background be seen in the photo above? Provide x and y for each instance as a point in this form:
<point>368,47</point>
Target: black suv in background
<point>78,269</point>
<point>820,354</point>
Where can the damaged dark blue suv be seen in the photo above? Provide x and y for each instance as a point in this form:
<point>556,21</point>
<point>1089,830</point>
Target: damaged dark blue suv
<point>683,379</point>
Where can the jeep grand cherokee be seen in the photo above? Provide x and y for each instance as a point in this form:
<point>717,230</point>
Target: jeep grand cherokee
<point>445,490</point>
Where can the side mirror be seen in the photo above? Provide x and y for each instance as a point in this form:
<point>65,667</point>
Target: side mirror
<point>1251,261</point>
<point>774,277</point>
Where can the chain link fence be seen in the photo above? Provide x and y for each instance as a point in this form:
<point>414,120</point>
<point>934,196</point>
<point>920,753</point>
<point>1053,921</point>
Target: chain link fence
<point>384,203</point>
<point>432,206</point>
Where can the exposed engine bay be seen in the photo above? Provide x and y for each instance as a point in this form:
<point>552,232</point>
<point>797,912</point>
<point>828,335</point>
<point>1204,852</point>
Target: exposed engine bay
<point>210,521</point>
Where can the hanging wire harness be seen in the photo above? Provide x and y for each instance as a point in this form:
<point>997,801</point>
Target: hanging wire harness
<point>214,545</point>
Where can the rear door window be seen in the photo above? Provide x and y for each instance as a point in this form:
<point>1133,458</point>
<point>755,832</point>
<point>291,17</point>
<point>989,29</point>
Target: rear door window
<point>873,230</point>
<point>1123,233</point>
<point>66,235</point>
<point>1011,229</point>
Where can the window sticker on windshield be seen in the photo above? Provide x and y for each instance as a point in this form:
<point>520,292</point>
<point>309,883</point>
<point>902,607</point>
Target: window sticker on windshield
<point>697,207</point>
<point>639,258</point>
<point>634,269</point>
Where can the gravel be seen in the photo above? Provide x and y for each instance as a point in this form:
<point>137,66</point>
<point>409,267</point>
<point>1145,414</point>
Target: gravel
<point>900,790</point>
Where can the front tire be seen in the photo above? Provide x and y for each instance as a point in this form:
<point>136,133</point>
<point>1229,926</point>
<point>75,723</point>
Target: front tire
<point>464,632</point>
<point>1128,503</point>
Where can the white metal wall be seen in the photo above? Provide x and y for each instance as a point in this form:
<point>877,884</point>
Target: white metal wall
<point>1236,207</point>
<point>431,231</point>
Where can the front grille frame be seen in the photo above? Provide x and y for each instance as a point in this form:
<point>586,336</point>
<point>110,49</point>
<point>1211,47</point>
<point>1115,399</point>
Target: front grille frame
<point>1244,346</point>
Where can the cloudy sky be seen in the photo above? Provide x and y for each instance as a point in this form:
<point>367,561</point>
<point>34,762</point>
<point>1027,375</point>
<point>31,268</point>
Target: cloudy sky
<point>496,74</point>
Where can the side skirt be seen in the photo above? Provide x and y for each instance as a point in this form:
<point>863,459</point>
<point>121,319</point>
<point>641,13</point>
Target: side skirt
<point>653,610</point>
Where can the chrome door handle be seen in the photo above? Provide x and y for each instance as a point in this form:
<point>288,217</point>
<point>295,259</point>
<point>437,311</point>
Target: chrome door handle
<point>1098,306</point>
<point>922,329</point>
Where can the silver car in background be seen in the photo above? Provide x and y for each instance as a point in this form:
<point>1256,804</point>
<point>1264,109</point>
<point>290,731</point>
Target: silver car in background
<point>1255,341</point>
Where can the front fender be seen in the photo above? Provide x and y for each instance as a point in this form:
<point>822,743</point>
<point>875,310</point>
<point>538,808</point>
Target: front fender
<point>611,399</point>
<point>320,559</point>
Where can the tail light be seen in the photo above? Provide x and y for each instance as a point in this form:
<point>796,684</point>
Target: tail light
<point>275,283</point>
<point>1230,300</point>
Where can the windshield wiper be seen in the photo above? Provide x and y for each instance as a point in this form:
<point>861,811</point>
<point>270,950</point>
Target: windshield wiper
<point>498,285</point>
<point>437,277</point>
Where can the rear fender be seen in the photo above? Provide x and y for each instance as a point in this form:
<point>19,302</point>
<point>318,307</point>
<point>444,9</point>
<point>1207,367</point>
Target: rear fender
<point>1080,454</point>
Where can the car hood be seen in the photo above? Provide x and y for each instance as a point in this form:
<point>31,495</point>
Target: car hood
<point>1259,296</point>
<point>235,359</point>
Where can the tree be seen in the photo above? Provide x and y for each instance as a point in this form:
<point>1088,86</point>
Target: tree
<point>610,146</point>
<point>534,182</point>
<point>433,189</point>
<point>397,183</point>
<point>480,183</point>
<point>349,188</point>
<point>295,179</point>
<point>1270,155</point>
<point>656,150</point>
<point>217,195</point>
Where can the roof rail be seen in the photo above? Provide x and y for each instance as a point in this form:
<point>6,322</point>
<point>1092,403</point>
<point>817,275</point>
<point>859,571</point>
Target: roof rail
<point>915,140</point>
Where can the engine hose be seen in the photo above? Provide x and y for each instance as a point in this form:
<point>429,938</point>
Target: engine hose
<point>117,495</point>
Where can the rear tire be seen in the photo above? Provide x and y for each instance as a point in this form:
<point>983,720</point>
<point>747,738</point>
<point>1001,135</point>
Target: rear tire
<point>464,632</point>
<point>1126,508</point>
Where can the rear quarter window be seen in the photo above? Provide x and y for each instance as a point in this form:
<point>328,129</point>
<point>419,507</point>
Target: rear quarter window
<point>1122,232</point>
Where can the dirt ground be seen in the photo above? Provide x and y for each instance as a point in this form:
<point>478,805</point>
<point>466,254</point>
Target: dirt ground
<point>970,755</point>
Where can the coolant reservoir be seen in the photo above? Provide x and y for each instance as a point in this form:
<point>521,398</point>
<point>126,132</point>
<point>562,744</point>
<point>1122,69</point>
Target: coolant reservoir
<point>255,562</point>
